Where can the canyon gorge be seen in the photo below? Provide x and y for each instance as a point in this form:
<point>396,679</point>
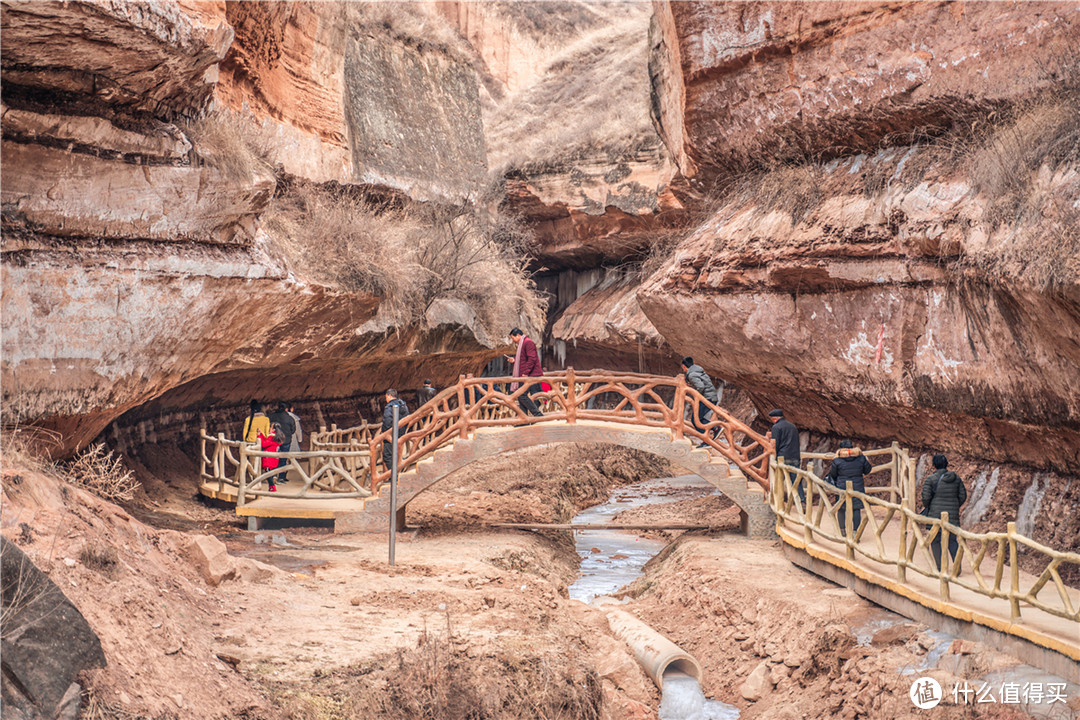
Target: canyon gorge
<point>866,213</point>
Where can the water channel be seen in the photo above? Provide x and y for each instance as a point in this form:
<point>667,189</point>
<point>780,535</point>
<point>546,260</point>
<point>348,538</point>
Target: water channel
<point>611,559</point>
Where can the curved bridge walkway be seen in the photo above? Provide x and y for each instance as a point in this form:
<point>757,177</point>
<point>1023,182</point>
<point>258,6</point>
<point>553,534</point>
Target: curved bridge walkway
<point>982,594</point>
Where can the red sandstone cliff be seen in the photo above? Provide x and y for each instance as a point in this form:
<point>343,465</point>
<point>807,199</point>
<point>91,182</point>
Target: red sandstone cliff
<point>137,262</point>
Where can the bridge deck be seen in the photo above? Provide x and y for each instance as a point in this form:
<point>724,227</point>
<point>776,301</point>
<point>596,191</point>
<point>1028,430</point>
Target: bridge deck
<point>305,508</point>
<point>1041,628</point>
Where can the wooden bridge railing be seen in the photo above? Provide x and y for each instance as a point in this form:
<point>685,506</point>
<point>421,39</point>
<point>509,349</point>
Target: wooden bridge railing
<point>630,399</point>
<point>238,466</point>
<point>892,534</point>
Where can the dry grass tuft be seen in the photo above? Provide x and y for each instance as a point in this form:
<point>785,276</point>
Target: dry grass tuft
<point>1018,166</point>
<point>100,558</point>
<point>437,680</point>
<point>232,142</point>
<point>409,255</point>
<point>415,24</point>
<point>102,473</point>
<point>591,99</point>
<point>29,447</point>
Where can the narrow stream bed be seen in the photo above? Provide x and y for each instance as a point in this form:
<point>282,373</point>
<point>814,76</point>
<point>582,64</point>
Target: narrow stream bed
<point>611,559</point>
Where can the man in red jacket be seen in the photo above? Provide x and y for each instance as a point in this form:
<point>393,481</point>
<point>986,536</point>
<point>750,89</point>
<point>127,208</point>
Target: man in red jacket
<point>526,364</point>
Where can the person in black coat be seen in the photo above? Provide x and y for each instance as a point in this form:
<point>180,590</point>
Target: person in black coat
<point>282,417</point>
<point>849,465</point>
<point>787,445</point>
<point>426,393</point>
<point>697,378</point>
<point>392,401</point>
<point>943,491</point>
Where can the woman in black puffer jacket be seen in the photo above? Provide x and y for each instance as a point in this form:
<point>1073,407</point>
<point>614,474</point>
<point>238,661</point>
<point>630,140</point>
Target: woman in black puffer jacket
<point>943,491</point>
<point>850,464</point>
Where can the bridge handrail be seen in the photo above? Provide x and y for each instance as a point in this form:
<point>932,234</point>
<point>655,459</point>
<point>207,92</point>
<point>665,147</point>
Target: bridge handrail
<point>820,518</point>
<point>335,437</point>
<point>460,408</point>
<point>340,472</point>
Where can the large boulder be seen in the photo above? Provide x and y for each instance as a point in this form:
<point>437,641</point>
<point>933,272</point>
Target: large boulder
<point>46,642</point>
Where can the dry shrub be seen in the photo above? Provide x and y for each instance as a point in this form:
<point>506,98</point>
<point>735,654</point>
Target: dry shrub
<point>437,680</point>
<point>102,473</point>
<point>410,255</point>
<point>29,447</point>
<point>232,142</point>
<point>94,707</point>
<point>1019,165</point>
<point>100,558</point>
<point>592,98</point>
<point>415,24</point>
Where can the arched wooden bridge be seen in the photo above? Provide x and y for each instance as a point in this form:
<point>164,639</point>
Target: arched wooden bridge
<point>982,594</point>
<point>481,417</point>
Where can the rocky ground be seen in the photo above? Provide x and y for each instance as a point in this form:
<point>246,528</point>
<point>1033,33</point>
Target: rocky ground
<point>199,618</point>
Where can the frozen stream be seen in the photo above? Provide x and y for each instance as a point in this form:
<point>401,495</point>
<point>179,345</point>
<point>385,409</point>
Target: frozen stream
<point>611,559</point>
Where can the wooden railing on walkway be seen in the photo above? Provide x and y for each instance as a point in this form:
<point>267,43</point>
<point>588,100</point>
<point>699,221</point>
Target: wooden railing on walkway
<point>892,535</point>
<point>624,398</point>
<point>237,465</point>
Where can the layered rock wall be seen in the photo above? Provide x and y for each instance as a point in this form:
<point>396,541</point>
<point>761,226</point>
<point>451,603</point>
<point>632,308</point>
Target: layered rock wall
<point>745,85</point>
<point>911,292</point>
<point>135,268</point>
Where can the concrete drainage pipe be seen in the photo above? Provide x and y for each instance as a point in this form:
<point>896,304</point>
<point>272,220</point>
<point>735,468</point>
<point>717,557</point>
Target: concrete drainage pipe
<point>656,653</point>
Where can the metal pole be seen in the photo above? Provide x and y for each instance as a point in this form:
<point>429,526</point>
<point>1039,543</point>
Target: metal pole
<point>393,484</point>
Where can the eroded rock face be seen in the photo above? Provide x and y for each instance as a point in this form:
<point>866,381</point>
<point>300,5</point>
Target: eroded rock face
<point>154,55</point>
<point>134,265</point>
<point>858,315</point>
<point>342,92</point>
<point>573,139</point>
<point>739,85</point>
<point>605,328</point>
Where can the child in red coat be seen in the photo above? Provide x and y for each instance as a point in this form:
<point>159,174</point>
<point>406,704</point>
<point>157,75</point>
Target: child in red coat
<point>271,443</point>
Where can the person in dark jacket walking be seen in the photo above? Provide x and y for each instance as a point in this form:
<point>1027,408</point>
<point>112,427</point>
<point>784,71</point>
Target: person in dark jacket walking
<point>392,401</point>
<point>698,379</point>
<point>787,445</point>
<point>943,491</point>
<point>526,364</point>
<point>426,393</point>
<point>849,464</point>
<point>288,428</point>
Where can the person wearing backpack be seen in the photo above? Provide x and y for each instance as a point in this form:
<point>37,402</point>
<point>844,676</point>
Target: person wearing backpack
<point>699,380</point>
<point>849,464</point>
<point>943,491</point>
<point>283,419</point>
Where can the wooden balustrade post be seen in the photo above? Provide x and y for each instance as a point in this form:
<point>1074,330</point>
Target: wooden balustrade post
<point>219,455</point>
<point>894,481</point>
<point>571,397</point>
<point>241,479</point>
<point>462,415</point>
<point>678,406</point>
<point>849,539</point>
<point>373,462</point>
<point>943,572</point>
<point>202,453</point>
<point>910,490</point>
<point>901,557</point>
<point>1014,574</point>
